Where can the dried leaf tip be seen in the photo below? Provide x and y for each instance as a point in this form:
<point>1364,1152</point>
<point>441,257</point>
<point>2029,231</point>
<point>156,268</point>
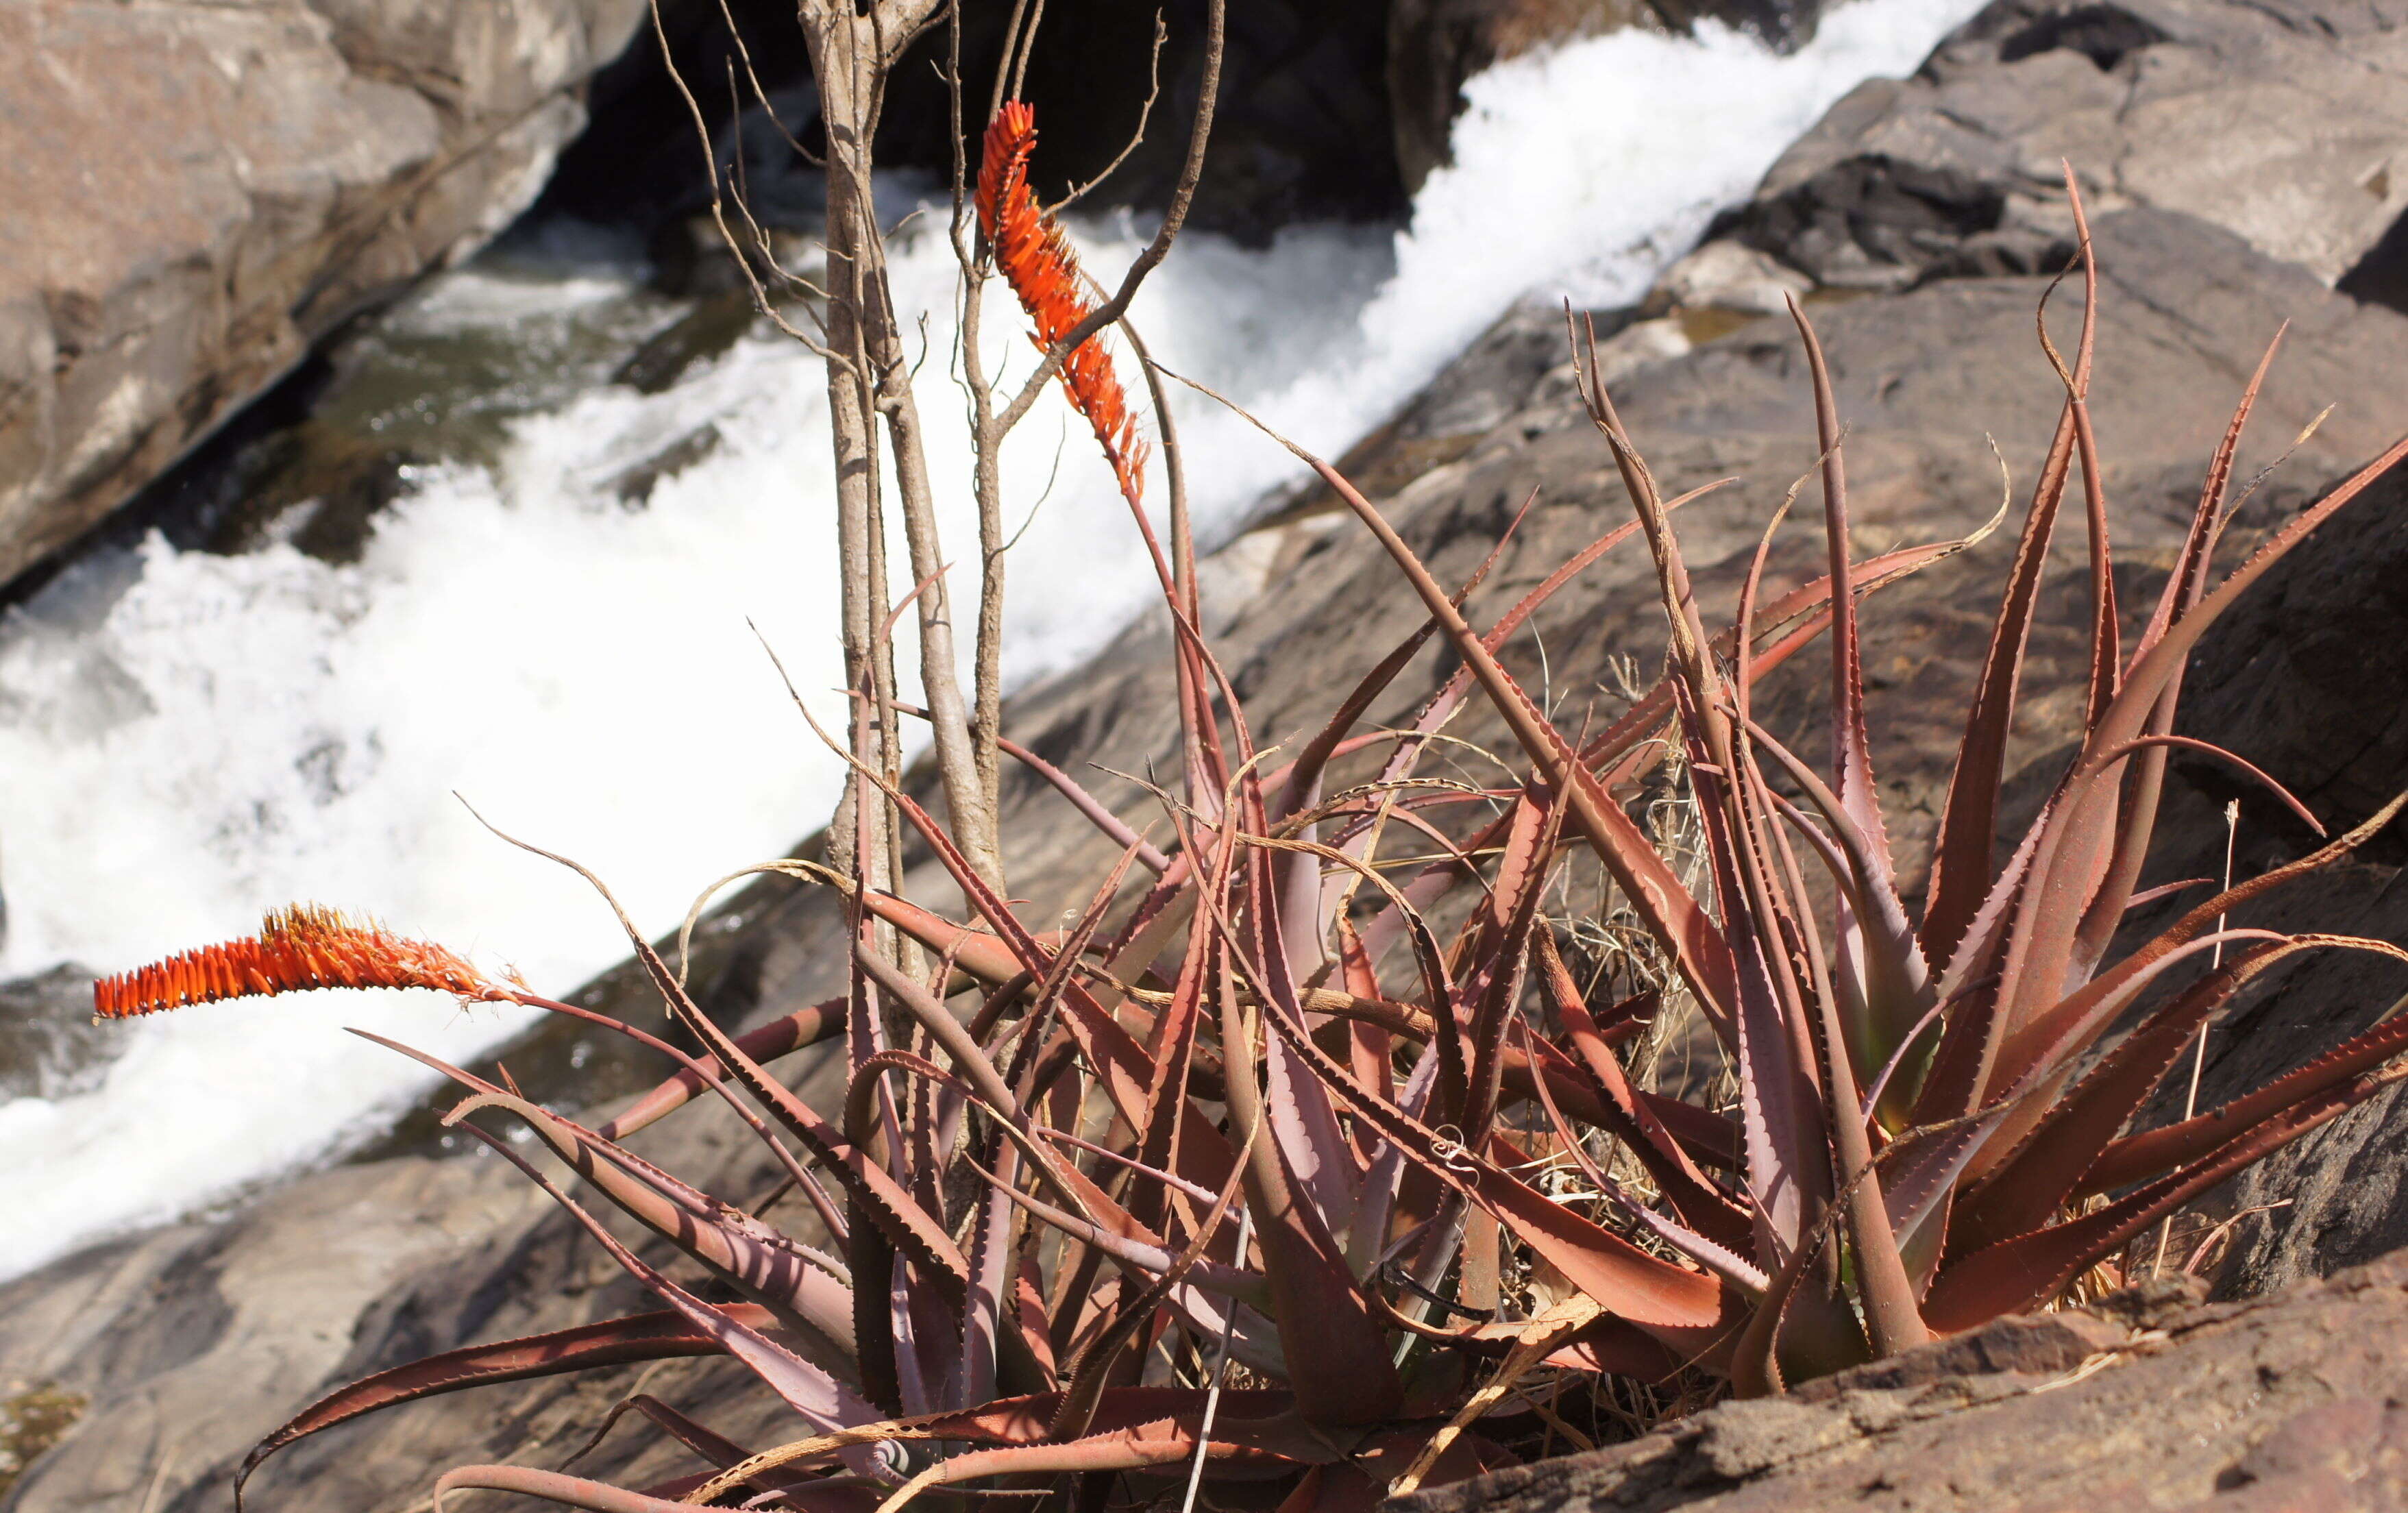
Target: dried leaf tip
<point>298,947</point>
<point>1035,258</point>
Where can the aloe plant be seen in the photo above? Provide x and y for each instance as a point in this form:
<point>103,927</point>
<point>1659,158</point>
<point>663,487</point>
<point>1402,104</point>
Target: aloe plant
<point>1251,1111</point>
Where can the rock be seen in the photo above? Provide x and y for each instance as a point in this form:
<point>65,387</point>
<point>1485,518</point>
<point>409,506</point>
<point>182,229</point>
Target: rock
<point>236,1322</point>
<point>2285,124</point>
<point>2305,678</point>
<point>48,1046</point>
<point>1728,276</point>
<point>201,191</point>
<point>2288,1401</point>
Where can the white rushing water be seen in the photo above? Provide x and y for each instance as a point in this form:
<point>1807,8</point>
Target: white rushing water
<point>188,739</point>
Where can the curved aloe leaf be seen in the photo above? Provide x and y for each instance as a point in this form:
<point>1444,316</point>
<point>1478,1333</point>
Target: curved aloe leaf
<point>666,1336</point>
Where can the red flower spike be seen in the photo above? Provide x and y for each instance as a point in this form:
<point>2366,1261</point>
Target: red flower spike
<point>297,948</point>
<point>1036,260</point>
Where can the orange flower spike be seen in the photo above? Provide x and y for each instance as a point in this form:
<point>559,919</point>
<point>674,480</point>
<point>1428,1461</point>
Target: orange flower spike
<point>1035,258</point>
<point>297,949</point>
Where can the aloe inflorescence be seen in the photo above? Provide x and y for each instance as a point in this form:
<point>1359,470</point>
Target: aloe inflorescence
<point>1251,1172</point>
<point>1035,258</point>
<point>298,947</point>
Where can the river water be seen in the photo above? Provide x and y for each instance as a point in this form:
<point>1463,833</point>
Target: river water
<point>190,737</point>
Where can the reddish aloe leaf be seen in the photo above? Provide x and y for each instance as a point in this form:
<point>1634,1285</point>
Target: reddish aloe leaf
<point>1450,696</point>
<point>644,1337</point>
<point>1851,748</point>
<point>2183,588</point>
<point>1961,874</point>
<point>2054,1033</point>
<point>1978,1144</point>
<point>1285,907</point>
<point>1970,984</point>
<point>1509,920</point>
<point>2104,628</point>
<point>1709,1138</point>
<point>1683,1308</point>
<point>747,1253</point>
<point>806,1389</point>
<point>980,954</point>
<point>720,1451</point>
<point>2040,948</point>
<point>891,1209</point>
<point>556,1487</point>
<point>1088,804</point>
<point>1891,987</point>
<point>2137,1157</point>
<point>2020,1273</point>
<point>1722,1261</point>
<point>1087,1373</point>
<point>1173,1042</point>
<point>1648,883</point>
<point>1783,629</point>
<point>1339,1359</point>
<point>780,1036</point>
<point>1781,1117</point>
<point>1697,1202</point>
<point>2024,1190</point>
<point>1125,1067</point>
<point>1302,779</point>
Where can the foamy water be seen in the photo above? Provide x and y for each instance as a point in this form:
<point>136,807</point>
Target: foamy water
<point>189,738</point>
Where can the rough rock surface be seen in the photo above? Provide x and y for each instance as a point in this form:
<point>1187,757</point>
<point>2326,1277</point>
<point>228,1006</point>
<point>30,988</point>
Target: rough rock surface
<point>2286,122</point>
<point>1709,387</point>
<point>2308,680</point>
<point>2151,1402</point>
<point>199,192</point>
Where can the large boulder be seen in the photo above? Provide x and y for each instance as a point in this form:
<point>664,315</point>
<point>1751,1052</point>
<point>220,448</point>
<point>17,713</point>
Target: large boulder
<point>2287,124</point>
<point>196,193</point>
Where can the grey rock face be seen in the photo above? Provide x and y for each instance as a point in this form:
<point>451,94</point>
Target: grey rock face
<point>2309,675</point>
<point>2285,124</point>
<point>198,192</point>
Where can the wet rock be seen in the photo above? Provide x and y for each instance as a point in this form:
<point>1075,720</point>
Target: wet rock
<point>635,485</point>
<point>49,1048</point>
<point>202,192</point>
<point>707,331</point>
<point>33,1416</point>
